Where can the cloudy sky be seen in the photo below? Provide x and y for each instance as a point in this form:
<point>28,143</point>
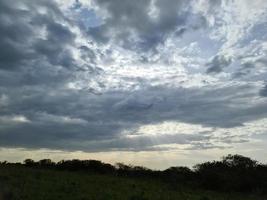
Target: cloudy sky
<point>147,82</point>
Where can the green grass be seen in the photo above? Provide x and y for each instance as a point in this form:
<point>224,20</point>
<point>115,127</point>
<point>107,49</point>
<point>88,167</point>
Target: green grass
<point>43,184</point>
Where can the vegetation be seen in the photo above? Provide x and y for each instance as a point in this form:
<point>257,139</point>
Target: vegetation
<point>234,177</point>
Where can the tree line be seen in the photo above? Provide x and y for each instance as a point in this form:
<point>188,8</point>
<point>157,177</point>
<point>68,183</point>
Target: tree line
<point>233,173</point>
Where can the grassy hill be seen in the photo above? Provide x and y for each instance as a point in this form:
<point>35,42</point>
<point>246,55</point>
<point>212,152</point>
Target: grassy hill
<point>20,182</point>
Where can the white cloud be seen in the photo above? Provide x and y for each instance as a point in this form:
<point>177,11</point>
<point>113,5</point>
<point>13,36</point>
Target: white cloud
<point>58,119</point>
<point>13,119</point>
<point>169,127</point>
<point>4,100</point>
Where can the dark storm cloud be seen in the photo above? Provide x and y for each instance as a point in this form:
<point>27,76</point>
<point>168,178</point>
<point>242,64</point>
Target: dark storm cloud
<point>218,63</point>
<point>37,46</point>
<point>36,62</point>
<point>38,109</point>
<point>145,143</point>
<point>78,120</point>
<point>263,91</point>
<point>90,137</point>
<point>194,105</point>
<point>141,24</point>
<point>251,66</point>
<point>33,30</point>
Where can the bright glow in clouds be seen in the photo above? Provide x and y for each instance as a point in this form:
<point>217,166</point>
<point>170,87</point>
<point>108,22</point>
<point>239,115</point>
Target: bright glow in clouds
<point>13,119</point>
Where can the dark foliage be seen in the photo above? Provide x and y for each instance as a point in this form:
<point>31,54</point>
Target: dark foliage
<point>88,165</point>
<point>134,171</point>
<point>234,173</point>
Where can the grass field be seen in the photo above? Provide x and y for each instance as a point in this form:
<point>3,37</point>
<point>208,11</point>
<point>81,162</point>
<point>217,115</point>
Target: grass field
<point>19,182</point>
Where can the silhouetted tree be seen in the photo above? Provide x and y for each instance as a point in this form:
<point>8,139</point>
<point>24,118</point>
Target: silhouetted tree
<point>232,173</point>
<point>239,161</point>
<point>46,163</point>
<point>29,162</point>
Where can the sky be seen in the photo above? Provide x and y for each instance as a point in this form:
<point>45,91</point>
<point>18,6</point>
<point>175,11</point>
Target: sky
<point>145,82</point>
